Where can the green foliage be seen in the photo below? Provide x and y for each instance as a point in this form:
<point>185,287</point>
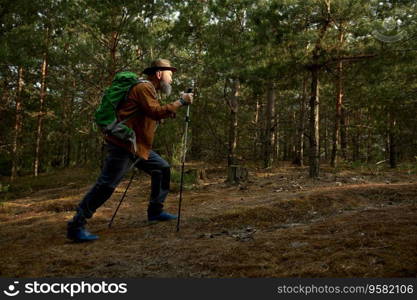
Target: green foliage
<point>26,185</point>
<point>4,187</point>
<point>190,180</point>
<point>212,43</point>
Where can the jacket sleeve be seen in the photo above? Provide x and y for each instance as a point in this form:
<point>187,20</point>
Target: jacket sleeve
<point>145,97</point>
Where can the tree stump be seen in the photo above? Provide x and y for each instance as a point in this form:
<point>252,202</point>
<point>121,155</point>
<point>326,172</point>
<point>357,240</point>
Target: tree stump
<point>197,173</point>
<point>236,174</point>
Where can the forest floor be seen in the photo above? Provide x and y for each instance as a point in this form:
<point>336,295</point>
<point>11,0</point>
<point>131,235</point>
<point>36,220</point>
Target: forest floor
<point>280,223</point>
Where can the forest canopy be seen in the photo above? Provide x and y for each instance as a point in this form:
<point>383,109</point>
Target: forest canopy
<point>322,81</point>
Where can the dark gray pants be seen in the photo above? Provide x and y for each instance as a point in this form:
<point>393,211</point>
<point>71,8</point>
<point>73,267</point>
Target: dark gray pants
<point>118,162</point>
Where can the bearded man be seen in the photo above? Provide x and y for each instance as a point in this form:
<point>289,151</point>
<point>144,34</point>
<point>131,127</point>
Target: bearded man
<point>143,105</point>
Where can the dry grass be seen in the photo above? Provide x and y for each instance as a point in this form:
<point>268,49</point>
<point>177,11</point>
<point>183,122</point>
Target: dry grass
<point>280,224</point>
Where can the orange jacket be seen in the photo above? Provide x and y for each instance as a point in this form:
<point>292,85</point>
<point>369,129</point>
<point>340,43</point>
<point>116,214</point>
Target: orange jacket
<point>142,102</point>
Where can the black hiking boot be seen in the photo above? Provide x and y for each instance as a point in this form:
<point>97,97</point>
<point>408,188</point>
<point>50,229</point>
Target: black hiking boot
<point>156,213</point>
<point>76,231</point>
<point>80,235</point>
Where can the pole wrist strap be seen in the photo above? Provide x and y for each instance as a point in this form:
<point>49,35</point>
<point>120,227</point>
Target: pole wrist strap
<point>183,102</point>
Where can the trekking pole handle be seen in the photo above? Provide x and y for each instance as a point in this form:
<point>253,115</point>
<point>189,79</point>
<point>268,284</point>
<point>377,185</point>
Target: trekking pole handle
<point>187,118</point>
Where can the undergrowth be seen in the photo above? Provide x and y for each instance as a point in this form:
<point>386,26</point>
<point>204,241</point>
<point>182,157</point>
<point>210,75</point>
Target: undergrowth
<point>73,177</point>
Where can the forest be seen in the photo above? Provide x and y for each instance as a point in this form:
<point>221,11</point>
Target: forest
<point>303,125</point>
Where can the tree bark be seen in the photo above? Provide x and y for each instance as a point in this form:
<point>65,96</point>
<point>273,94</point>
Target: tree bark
<point>39,127</point>
<point>18,125</point>
<point>233,122</point>
<point>356,146</point>
<point>314,168</point>
<point>392,141</point>
<point>256,135</point>
<point>114,40</point>
<point>293,133</point>
<point>343,132</point>
<point>276,146</point>
<point>325,141</point>
<point>369,138</point>
<point>113,43</point>
<point>269,126</point>
<point>338,115</point>
<point>314,124</point>
<point>67,126</point>
<point>300,147</point>
<point>356,133</point>
<point>339,102</point>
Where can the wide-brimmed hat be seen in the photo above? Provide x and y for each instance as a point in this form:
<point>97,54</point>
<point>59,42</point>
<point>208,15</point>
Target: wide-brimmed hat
<point>159,65</point>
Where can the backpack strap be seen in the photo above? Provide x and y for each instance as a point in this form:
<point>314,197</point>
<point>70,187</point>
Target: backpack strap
<point>126,97</point>
<point>133,85</point>
<point>128,91</point>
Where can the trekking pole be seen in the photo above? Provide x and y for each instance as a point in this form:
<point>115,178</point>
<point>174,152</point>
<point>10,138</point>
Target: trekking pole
<point>124,194</point>
<point>187,120</point>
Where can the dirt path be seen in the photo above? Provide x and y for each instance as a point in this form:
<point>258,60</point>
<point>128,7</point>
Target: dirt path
<point>279,224</point>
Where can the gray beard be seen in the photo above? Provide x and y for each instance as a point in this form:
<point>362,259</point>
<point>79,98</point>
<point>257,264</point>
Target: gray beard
<point>166,88</point>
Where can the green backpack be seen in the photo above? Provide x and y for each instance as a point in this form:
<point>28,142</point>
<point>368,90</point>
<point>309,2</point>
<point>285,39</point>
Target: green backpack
<point>106,114</point>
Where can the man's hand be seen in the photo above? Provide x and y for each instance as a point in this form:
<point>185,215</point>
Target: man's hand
<point>188,97</point>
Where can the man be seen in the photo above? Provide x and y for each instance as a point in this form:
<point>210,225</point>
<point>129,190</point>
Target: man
<point>146,110</point>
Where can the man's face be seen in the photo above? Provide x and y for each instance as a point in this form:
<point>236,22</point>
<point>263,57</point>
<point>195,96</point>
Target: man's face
<point>167,76</point>
<point>165,82</point>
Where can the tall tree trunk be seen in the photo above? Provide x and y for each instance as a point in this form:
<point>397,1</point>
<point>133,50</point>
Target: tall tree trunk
<point>392,141</point>
<point>233,124</point>
<point>39,127</point>
<point>117,24</point>
<point>325,141</point>
<point>113,43</point>
<point>338,115</point>
<point>276,147</point>
<point>343,132</point>
<point>256,125</point>
<point>300,147</point>
<point>314,169</point>
<point>68,108</point>
<point>356,145</point>
<point>269,126</point>
<point>293,132</point>
<point>314,124</point>
<point>357,139</point>
<point>369,140</point>
<point>18,125</point>
<point>339,102</point>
